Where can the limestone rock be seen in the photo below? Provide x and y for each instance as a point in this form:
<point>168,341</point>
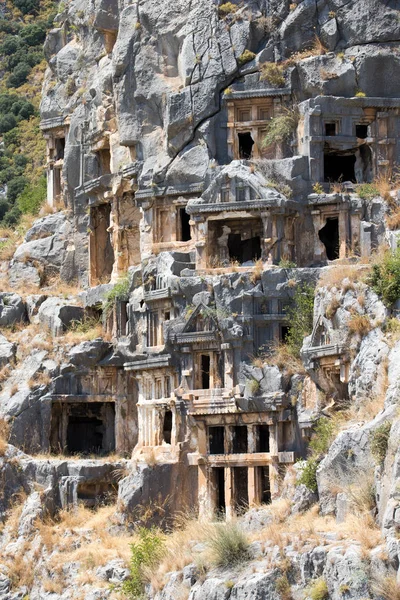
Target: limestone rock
<point>56,315</point>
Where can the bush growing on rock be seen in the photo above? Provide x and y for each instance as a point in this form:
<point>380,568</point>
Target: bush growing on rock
<point>380,440</point>
<point>385,277</point>
<point>229,545</point>
<point>145,555</point>
<point>300,318</point>
<point>319,590</point>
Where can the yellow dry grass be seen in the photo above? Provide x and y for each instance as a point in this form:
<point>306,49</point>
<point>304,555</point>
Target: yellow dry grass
<point>333,277</point>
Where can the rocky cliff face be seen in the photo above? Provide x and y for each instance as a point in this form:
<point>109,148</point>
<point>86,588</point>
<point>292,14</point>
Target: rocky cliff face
<point>205,321</point>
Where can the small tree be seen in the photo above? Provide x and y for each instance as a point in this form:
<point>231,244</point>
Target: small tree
<point>300,318</point>
<point>145,555</point>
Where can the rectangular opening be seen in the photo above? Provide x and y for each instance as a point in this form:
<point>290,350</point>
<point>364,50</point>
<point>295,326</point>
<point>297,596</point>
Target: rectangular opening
<point>240,489</point>
<point>362,131</point>
<point>93,495</point>
<point>246,143</point>
<point>90,428</point>
<point>104,158</point>
<point>101,248</point>
<point>56,183</point>
<point>205,371</point>
<point>59,148</point>
<point>219,486</point>
<point>339,167</point>
<point>239,439</point>
<point>330,129</point>
<point>329,236</point>
<point>283,333</point>
<point>184,226</point>
<point>216,440</point>
<point>234,240</point>
<point>167,426</point>
<point>262,438</point>
<point>264,484</point>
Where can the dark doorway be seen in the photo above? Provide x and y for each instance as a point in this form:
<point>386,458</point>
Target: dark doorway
<point>262,439</point>
<point>101,248</point>
<point>246,144</point>
<point>93,495</point>
<point>60,148</point>
<point>104,158</point>
<point>330,129</point>
<point>84,435</point>
<point>167,426</point>
<point>239,439</point>
<point>329,236</point>
<point>243,250</point>
<point>362,131</point>
<point>283,333</point>
<point>240,489</point>
<point>184,219</point>
<point>216,437</point>
<point>264,483</point>
<point>205,371</point>
<point>219,482</point>
<point>339,168</point>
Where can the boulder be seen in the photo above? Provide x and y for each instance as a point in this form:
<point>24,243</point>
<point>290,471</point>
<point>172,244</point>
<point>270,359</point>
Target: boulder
<point>57,315</point>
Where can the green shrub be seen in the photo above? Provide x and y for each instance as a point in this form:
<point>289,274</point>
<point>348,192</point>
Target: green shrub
<point>379,441</point>
<point>32,197</point>
<point>19,75</point>
<point>4,208</point>
<point>280,128</point>
<point>119,293</point>
<point>145,554</point>
<point>308,475</point>
<point>246,57</point>
<point>7,122</point>
<point>254,386</point>
<point>12,217</point>
<point>10,45</point>
<point>15,187</point>
<point>226,9</point>
<point>229,546</point>
<point>323,435</point>
<point>300,316</point>
<point>26,6</point>
<point>319,590</point>
<point>367,191</point>
<point>273,73</point>
<point>385,277</point>
<point>287,264</point>
<point>34,34</point>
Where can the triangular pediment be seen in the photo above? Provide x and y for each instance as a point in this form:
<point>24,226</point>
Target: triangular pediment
<point>320,335</point>
<point>202,319</point>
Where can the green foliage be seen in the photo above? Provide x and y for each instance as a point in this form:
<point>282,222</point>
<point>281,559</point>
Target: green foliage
<point>367,191</point>
<point>15,187</point>
<point>319,590</point>
<point>317,188</point>
<point>19,75</point>
<point>323,435</point>
<point>385,277</point>
<point>12,217</point>
<point>287,264</point>
<point>254,386</point>
<point>119,293</point>
<point>145,554</point>
<point>34,34</point>
<point>380,440</point>
<point>229,545</point>
<point>280,128</point>
<point>246,57</point>
<point>308,475</point>
<point>273,73</point>
<point>300,316</point>
<point>226,9</point>
<point>27,7</point>
<point>7,122</point>
<point>32,197</point>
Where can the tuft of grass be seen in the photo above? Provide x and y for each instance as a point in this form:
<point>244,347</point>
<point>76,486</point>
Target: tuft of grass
<point>387,588</point>
<point>254,386</point>
<point>273,73</point>
<point>359,325</point>
<point>319,590</point>
<point>226,9</point>
<point>282,587</point>
<point>246,57</point>
<point>229,546</point>
<point>257,271</point>
<point>281,128</point>
<point>380,441</point>
<point>120,292</point>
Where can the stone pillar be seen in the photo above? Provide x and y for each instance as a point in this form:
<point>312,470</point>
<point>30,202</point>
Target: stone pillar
<point>319,248</point>
<point>343,234</point>
<point>229,509</point>
<point>228,440</point>
<point>204,491</point>
<point>252,486</point>
<point>251,439</point>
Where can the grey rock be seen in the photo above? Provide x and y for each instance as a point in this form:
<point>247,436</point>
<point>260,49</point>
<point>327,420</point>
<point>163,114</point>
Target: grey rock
<point>56,315</point>
<point>7,351</point>
<point>303,499</point>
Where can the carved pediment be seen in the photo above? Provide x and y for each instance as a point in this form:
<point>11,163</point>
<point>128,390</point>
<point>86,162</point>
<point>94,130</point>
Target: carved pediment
<point>201,320</point>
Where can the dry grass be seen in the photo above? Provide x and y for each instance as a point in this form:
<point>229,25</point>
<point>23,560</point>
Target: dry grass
<point>333,277</point>
<point>39,379</point>
<point>257,271</point>
<point>14,389</point>
<point>4,435</point>
<point>387,588</point>
<point>393,220</point>
<point>282,358</point>
<point>21,569</point>
<point>359,325</point>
